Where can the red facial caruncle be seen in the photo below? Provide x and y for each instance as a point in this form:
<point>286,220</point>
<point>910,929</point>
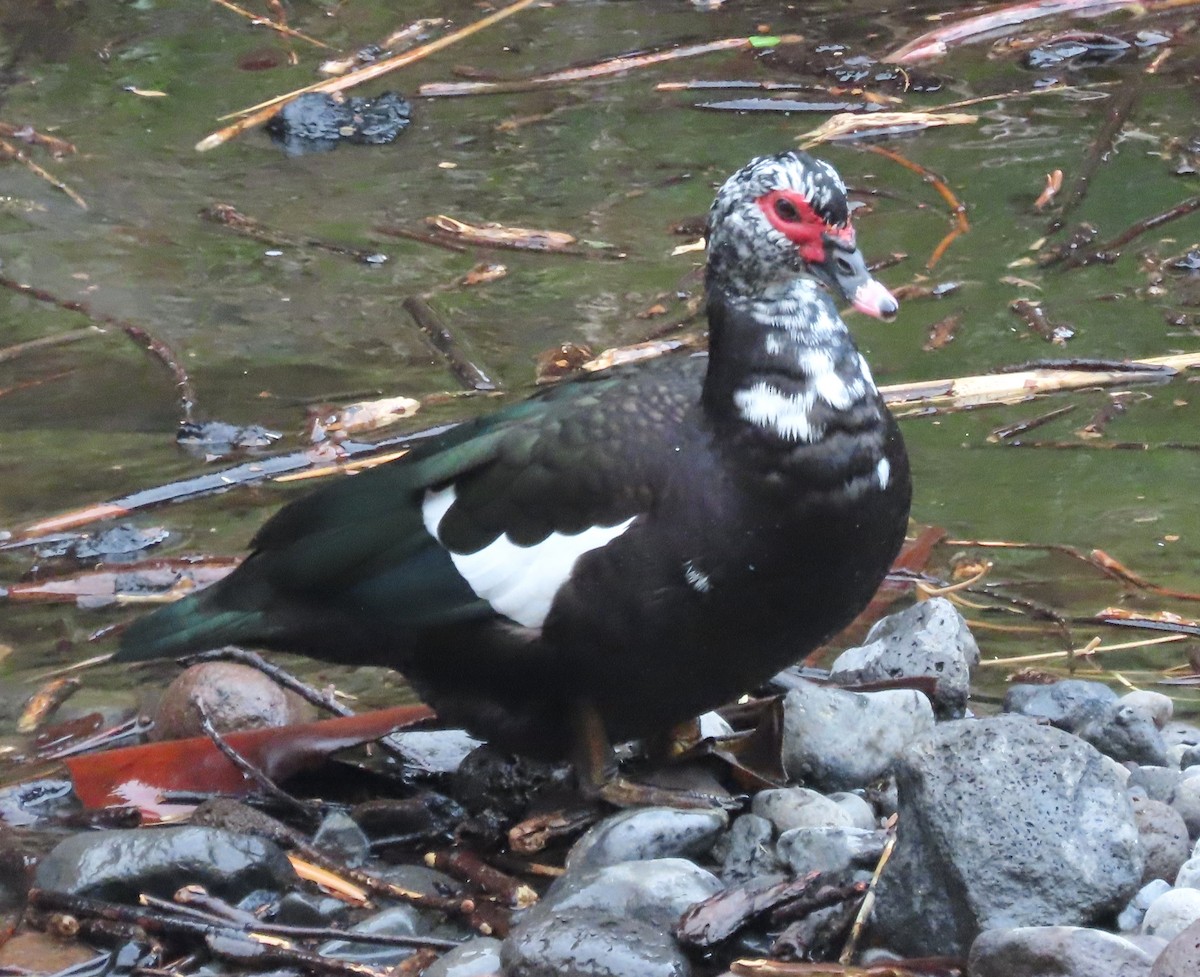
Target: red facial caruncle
<point>794,217</point>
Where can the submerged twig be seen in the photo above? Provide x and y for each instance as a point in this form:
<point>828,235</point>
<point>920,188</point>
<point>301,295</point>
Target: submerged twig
<point>7,149</point>
<point>229,216</point>
<point>44,342</point>
<point>957,210</point>
<point>602,69</point>
<point>258,20</point>
<point>258,114</point>
<point>157,347</point>
<point>1107,252</point>
<point>1118,111</point>
<point>432,325</point>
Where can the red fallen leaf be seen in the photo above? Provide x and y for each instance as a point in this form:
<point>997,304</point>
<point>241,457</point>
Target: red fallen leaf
<point>140,775</point>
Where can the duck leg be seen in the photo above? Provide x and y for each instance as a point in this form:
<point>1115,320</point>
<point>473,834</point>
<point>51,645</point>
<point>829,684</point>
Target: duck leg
<point>600,780</point>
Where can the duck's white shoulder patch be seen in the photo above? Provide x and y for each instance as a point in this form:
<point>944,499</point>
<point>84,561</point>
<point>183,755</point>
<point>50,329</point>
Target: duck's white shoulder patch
<point>519,582</point>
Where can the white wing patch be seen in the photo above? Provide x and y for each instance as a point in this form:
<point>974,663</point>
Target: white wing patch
<point>519,582</point>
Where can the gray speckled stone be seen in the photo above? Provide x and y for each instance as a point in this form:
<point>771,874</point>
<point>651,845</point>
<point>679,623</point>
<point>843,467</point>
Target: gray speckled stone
<point>926,640</point>
<point>860,813</point>
<point>1130,920</point>
<point>1164,838</point>
<point>1004,823</point>
<point>1158,782</point>
<point>749,850</point>
<point>798,807</point>
<point>1171,913</point>
<point>1066,704</point>
<point>1188,875</point>
<point>656,891</point>
<point>826,849</point>
<point>1158,708</point>
<point>1181,958</point>
<point>838,740</point>
<point>1126,735</point>
<point>647,833</point>
<point>1058,951</point>
<point>1186,800</point>
<point>590,943</point>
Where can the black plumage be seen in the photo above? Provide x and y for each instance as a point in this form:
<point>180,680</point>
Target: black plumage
<point>635,546</point>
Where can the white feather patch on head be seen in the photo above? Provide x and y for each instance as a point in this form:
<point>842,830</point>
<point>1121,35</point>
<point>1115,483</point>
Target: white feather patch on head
<point>519,582</point>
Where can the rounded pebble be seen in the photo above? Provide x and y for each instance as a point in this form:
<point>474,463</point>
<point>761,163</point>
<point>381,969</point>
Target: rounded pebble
<point>798,807</point>
<point>647,833</point>
<point>1171,913</point>
<point>234,697</point>
<point>591,942</point>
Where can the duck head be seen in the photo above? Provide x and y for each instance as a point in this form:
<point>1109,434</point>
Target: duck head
<point>784,216</point>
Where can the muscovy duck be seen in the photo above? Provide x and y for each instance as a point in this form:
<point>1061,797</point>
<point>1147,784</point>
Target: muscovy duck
<point>625,550</point>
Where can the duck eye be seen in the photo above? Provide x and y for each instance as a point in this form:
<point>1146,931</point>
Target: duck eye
<point>786,210</point>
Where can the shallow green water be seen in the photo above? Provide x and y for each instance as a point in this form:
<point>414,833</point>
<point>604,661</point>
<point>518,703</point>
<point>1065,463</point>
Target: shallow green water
<point>613,162</point>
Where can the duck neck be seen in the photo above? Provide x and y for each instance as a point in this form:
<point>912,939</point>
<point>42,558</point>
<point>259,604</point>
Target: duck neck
<point>783,364</point>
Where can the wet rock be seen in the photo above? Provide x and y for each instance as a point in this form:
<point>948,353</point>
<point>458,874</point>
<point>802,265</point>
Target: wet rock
<point>647,833</point>
<point>856,808</point>
<point>654,892</point>
<point>1057,951</point>
<point>1189,874</point>
<point>234,697</point>
<point>479,957</point>
<point>1159,783</point>
<point>1164,838</point>
<point>1125,734</point>
<point>120,865</point>
<point>490,779</point>
<point>216,439</point>
<point>435,750</point>
<point>1130,920</point>
<point>1066,704</point>
<point>309,909</point>
<point>340,837</point>
<point>123,541</point>
<point>317,122</point>
<point>591,942</point>
<point>395,921</point>
<point>423,879</point>
<point>1004,823</point>
<point>838,740</point>
<point>827,849</point>
<point>1180,738</point>
<point>929,639</point>
<point>1186,800</point>
<point>749,850</point>
<point>1155,706</point>
<point>799,807</point>
<point>1181,958</point>
<point>1171,913</point>
<point>427,818</point>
